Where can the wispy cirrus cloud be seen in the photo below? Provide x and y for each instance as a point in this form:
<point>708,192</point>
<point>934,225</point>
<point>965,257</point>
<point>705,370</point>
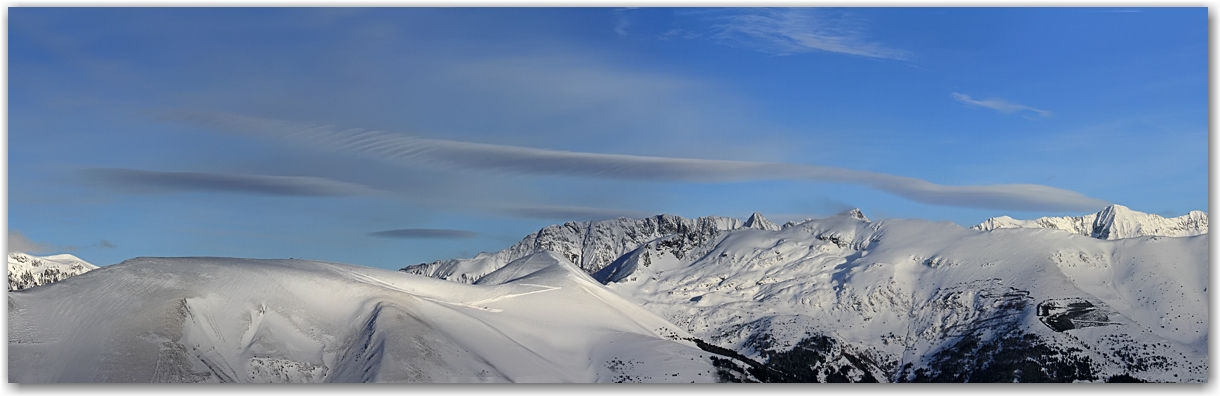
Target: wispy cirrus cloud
<point>424,233</point>
<point>505,159</point>
<point>786,31</point>
<point>999,105</point>
<point>145,181</point>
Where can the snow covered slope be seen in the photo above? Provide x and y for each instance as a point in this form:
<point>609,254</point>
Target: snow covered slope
<point>845,299</point>
<point>591,245</point>
<point>1113,222</point>
<point>237,320</point>
<point>26,271</point>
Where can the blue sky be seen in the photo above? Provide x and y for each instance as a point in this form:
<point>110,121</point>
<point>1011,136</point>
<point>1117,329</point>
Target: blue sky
<point>390,137</point>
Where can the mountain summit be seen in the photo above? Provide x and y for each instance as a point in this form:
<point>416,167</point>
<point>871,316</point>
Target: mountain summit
<point>758,222</point>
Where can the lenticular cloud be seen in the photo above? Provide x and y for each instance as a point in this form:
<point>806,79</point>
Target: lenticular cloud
<point>402,149</point>
<point>135,180</point>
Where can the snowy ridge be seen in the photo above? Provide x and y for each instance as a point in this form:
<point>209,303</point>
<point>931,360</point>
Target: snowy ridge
<point>26,271</point>
<point>237,320</point>
<point>591,245</point>
<point>1112,222</point>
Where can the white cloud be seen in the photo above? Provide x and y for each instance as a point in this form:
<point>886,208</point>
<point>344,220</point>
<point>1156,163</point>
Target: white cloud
<point>999,105</point>
<point>504,159</point>
<point>793,30</point>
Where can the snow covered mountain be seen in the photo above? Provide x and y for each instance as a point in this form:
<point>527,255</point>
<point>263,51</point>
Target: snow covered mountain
<point>26,271</point>
<point>591,245</point>
<point>1113,222</point>
<point>844,299</point>
<point>660,299</point>
<point>538,319</point>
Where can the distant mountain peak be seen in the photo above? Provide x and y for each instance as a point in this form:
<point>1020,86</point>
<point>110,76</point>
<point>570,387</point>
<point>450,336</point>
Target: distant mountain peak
<point>1112,222</point>
<point>758,222</point>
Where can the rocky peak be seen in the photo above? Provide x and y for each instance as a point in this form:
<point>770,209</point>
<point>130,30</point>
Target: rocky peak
<point>854,213</point>
<point>758,222</point>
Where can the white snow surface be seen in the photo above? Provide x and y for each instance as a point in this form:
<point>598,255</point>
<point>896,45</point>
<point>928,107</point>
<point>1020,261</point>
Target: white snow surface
<point>240,320</point>
<point>1112,222</point>
<point>26,271</point>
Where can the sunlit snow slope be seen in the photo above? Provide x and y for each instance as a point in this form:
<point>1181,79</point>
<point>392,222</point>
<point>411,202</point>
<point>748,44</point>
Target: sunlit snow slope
<point>539,319</point>
<point>26,271</point>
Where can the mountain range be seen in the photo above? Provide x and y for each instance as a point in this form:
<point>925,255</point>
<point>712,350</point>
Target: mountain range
<point>1113,222</point>
<point>1122,297</point>
<point>1114,296</point>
